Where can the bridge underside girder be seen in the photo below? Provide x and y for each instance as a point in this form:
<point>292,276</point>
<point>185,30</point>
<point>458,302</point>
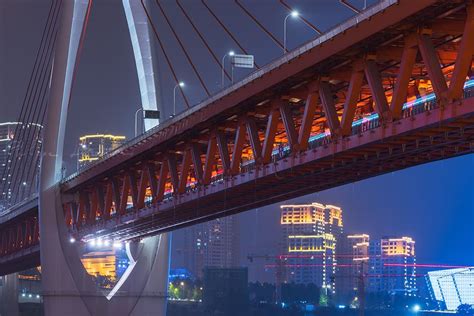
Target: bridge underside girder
<point>19,243</point>
<point>435,134</point>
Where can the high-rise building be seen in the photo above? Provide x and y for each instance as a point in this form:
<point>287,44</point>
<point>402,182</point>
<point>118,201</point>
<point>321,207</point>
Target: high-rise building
<point>392,266</point>
<point>6,137</point>
<point>7,131</point>
<point>353,258</point>
<point>309,238</point>
<point>18,172</point>
<point>94,147</point>
<point>210,244</point>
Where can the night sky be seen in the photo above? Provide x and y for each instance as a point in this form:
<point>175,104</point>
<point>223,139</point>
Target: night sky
<point>433,203</point>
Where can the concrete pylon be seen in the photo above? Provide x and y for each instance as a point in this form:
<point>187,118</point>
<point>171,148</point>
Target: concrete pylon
<point>9,295</point>
<point>144,53</point>
<point>67,288</point>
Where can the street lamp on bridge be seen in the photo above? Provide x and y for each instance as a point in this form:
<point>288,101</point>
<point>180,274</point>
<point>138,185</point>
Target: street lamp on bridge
<point>231,53</point>
<point>179,84</point>
<point>294,14</point>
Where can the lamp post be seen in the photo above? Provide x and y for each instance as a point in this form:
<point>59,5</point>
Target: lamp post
<point>293,14</point>
<point>180,84</point>
<point>231,53</point>
<point>136,119</point>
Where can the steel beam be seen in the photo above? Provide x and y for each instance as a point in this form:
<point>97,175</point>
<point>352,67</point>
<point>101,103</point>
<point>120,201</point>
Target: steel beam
<point>355,85</point>
<point>404,74</point>
<point>197,162</point>
<point>464,57</point>
<point>254,139</point>
<point>185,167</point>
<point>289,124</point>
<point>431,61</point>
<point>307,120</point>
<point>238,147</point>
<point>327,100</point>
<point>223,150</point>
<point>173,170</point>
<point>378,93</point>
<point>210,159</point>
<point>270,133</point>
<point>164,171</point>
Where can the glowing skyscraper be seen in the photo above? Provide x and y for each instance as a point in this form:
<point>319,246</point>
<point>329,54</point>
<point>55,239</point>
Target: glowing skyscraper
<point>309,239</point>
<point>392,266</point>
<point>93,147</point>
<point>353,259</point>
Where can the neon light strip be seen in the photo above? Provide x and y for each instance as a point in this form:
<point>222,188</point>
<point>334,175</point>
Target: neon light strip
<point>108,136</point>
<point>419,101</point>
<point>469,83</point>
<point>19,123</point>
<point>416,265</point>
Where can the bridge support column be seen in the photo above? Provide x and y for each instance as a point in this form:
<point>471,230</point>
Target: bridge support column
<point>9,295</point>
<point>67,288</point>
<point>143,50</point>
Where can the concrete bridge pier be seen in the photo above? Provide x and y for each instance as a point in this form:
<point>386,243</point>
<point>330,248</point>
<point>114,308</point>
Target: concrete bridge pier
<point>67,288</point>
<point>9,290</point>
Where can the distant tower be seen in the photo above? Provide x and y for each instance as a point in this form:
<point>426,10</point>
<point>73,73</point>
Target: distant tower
<point>145,58</point>
<point>309,238</point>
<point>353,259</point>
<point>392,266</point>
<point>74,293</point>
<point>94,147</point>
<point>25,184</point>
<point>210,244</point>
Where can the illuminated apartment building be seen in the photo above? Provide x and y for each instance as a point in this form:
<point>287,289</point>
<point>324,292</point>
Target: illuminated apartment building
<point>392,266</point>
<point>6,136</point>
<point>309,237</point>
<point>353,259</point>
<point>94,147</point>
<point>28,151</point>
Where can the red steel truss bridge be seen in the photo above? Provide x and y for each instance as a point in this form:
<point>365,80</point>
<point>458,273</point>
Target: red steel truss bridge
<point>389,89</point>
